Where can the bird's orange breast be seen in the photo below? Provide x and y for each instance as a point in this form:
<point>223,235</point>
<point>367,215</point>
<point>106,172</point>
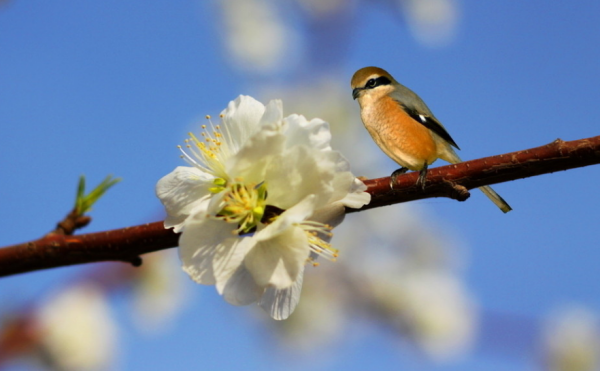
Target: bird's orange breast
<point>406,141</point>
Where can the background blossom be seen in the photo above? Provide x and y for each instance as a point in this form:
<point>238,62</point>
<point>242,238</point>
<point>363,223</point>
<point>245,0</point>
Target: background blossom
<point>77,330</point>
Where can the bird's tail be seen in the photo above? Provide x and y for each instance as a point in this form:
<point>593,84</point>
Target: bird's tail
<point>452,157</point>
<point>495,198</point>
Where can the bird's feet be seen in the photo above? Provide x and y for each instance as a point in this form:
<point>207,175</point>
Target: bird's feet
<point>395,174</point>
<point>422,177</point>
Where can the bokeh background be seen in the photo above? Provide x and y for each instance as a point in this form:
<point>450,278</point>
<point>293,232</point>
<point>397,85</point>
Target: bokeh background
<point>112,87</point>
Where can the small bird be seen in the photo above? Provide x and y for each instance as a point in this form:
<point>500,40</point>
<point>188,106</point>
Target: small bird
<point>403,126</point>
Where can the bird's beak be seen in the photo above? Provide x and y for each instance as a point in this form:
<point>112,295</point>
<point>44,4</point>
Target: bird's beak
<point>355,93</point>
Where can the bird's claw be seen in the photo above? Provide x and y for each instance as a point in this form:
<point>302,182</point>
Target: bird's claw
<point>422,177</point>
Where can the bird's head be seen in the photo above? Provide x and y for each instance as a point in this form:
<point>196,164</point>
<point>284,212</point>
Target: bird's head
<point>371,81</point>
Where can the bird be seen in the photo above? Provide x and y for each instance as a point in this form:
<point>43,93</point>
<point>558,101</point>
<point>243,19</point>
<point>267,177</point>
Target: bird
<point>404,127</point>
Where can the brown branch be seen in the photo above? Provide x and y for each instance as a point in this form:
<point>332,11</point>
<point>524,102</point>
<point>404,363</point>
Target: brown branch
<point>443,181</point>
<point>54,250</point>
<point>451,181</point>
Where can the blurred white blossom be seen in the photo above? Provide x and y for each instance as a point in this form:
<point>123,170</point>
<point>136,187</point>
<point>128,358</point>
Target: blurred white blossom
<point>256,36</point>
<point>571,341</point>
<point>77,330</point>
<point>319,8</point>
<point>321,317</point>
<point>432,308</point>
<point>158,290</point>
<point>402,279</point>
<point>412,276</point>
<point>258,203</point>
<point>432,22</point>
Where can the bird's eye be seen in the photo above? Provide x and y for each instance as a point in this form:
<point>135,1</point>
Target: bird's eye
<point>375,82</point>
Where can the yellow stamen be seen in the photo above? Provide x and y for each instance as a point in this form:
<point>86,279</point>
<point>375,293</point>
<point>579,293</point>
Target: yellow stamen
<point>315,232</point>
<point>243,205</point>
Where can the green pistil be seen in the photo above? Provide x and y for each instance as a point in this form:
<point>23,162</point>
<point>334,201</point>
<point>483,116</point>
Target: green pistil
<point>220,184</point>
<point>243,205</point>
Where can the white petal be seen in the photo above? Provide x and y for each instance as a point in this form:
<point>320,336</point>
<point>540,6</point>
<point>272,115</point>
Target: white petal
<point>273,116</point>
<point>357,197</point>
<point>251,162</point>
<point>313,134</point>
<point>297,173</point>
<point>228,257</point>
<point>342,183</point>
<point>240,120</point>
<point>241,289</point>
<point>198,244</point>
<point>181,191</point>
<point>278,261</point>
<point>280,303</point>
<point>346,187</point>
<point>298,213</point>
<point>215,204</point>
<point>332,214</point>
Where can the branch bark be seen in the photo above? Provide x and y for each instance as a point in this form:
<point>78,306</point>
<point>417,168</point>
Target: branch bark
<point>452,181</point>
<point>446,181</point>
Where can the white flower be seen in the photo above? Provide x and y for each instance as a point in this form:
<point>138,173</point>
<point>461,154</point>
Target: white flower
<point>432,308</point>
<point>257,37</point>
<point>572,340</point>
<point>439,312</point>
<point>77,330</point>
<point>157,291</point>
<point>433,23</point>
<point>259,201</point>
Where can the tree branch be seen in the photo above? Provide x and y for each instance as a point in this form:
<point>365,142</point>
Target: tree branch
<point>447,181</point>
<point>451,181</point>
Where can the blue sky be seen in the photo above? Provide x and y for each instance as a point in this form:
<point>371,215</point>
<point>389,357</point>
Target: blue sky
<point>112,87</point>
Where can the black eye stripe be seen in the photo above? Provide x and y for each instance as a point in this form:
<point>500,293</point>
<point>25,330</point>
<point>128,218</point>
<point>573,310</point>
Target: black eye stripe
<point>381,80</point>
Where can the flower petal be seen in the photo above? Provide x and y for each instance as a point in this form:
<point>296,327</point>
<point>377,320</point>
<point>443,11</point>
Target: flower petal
<point>346,185</point>
<point>332,214</point>
<point>342,182</point>
<point>298,213</point>
<point>240,120</point>
<point>251,162</point>
<point>273,116</point>
<point>241,289</point>
<point>280,303</point>
<point>200,240</point>
<point>297,173</point>
<point>314,133</point>
<point>279,260</point>
<point>229,256</point>
<point>181,191</point>
<point>357,197</point>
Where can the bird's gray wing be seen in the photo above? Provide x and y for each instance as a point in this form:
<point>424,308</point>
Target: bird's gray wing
<point>418,110</point>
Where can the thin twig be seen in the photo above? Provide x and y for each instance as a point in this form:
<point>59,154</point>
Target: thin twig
<point>72,221</point>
